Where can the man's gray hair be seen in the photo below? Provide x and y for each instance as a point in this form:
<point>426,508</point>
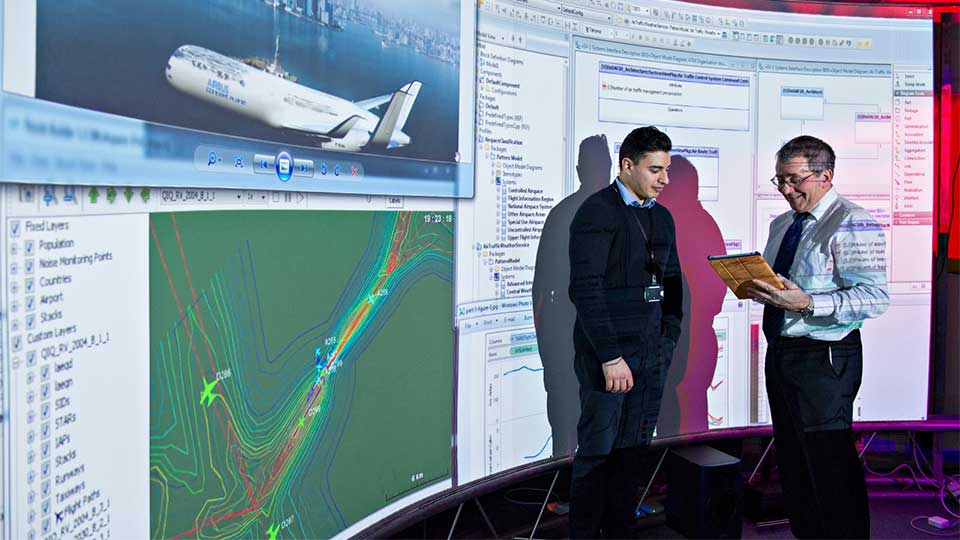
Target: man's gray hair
<point>819,154</point>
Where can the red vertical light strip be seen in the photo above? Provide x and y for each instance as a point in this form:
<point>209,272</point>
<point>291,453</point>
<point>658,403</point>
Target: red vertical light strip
<point>949,137</point>
<point>946,136</point>
<point>951,191</point>
<point>948,146</point>
<point>945,151</point>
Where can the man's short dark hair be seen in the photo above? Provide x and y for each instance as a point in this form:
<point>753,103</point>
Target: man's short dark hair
<point>643,141</point>
<point>819,155</point>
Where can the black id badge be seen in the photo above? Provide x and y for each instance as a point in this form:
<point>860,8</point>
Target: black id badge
<point>653,292</point>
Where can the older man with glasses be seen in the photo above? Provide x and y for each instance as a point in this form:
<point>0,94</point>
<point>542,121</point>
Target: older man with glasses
<point>831,257</point>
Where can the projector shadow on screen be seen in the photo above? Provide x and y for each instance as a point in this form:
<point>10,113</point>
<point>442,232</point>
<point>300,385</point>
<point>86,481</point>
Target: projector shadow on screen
<point>684,408</point>
<point>554,313</point>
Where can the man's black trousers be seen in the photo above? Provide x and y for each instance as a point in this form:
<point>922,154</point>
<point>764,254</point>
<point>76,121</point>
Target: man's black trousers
<point>811,387</point>
<point>614,433</point>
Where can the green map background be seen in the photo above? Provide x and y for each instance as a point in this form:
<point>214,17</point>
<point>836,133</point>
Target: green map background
<point>399,422</point>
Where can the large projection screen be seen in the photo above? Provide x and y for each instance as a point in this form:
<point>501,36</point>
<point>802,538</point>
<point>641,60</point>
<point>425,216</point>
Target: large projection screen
<point>197,342</point>
<point>560,85</point>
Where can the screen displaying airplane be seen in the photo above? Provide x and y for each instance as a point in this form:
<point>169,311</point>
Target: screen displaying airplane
<point>266,93</point>
<point>364,86</point>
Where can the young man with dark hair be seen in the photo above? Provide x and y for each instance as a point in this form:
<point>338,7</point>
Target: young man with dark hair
<point>831,256</point>
<point>626,284</point>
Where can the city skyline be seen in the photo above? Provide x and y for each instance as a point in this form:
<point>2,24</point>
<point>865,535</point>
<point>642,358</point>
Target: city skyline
<point>430,40</point>
<point>442,16</point>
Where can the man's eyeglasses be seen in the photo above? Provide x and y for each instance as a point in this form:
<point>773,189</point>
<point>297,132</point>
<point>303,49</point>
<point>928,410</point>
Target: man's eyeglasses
<point>792,182</point>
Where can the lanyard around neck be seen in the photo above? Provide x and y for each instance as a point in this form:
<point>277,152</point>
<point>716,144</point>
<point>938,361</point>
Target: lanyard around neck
<point>643,231</point>
<point>646,239</point>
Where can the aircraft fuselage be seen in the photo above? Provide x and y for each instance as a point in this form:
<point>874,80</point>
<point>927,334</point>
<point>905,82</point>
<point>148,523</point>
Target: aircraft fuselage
<point>275,101</point>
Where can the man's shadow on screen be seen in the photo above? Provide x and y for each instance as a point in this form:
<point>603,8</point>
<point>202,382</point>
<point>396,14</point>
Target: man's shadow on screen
<point>554,313</point>
<point>684,405</point>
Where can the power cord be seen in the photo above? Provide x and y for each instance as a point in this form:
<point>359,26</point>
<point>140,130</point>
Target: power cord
<point>916,481</point>
<point>508,496</point>
<point>931,525</point>
<point>949,484</point>
<point>938,526</point>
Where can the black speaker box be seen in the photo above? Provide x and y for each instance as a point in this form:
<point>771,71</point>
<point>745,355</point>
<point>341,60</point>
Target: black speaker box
<point>704,493</point>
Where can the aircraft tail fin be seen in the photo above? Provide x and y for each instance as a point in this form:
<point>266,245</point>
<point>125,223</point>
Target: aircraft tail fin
<point>396,116</point>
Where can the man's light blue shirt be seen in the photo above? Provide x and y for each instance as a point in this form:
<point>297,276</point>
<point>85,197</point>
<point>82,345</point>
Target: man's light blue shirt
<point>841,263</point>
<point>629,199</point>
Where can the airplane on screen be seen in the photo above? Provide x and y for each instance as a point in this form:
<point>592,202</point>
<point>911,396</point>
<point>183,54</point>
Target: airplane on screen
<point>268,95</point>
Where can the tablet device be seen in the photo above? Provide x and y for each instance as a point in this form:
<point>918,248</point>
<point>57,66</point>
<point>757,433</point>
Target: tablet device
<point>737,269</point>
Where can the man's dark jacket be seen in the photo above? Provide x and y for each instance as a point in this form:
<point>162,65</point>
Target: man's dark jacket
<point>609,269</point>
